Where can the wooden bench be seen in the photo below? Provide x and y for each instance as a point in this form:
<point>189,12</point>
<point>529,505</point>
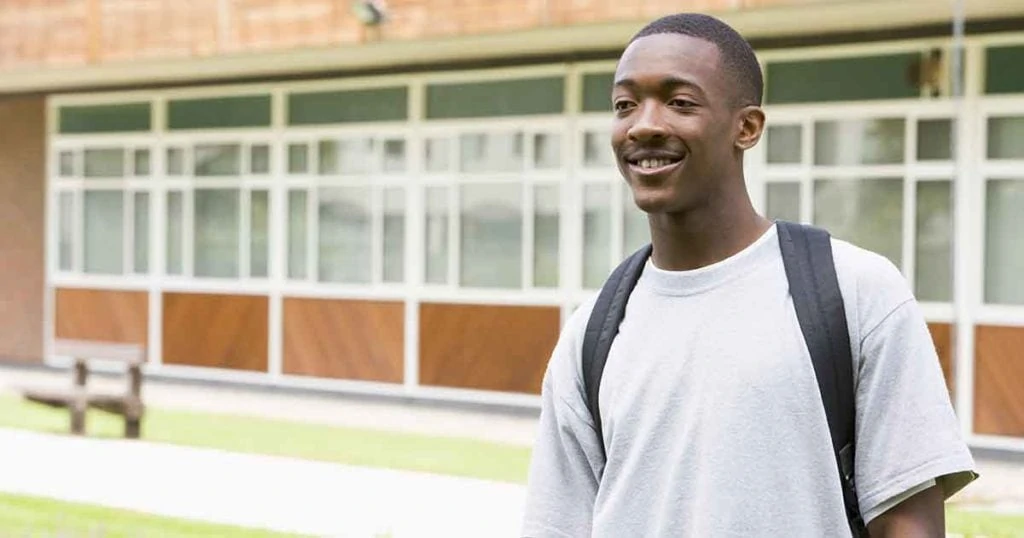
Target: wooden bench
<point>78,398</point>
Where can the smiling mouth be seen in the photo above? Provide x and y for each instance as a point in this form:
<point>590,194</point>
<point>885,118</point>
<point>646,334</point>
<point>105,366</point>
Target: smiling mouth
<point>654,165</point>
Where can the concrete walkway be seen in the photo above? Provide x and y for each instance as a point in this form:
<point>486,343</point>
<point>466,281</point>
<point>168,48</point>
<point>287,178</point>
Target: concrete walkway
<point>283,494</point>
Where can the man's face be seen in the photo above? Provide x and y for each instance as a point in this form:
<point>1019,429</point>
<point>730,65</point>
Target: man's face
<point>676,125</point>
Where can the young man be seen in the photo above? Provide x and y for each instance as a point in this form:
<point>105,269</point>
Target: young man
<point>713,423</point>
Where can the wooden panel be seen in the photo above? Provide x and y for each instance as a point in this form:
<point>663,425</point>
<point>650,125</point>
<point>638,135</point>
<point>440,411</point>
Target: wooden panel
<point>502,348</point>
<point>363,340</point>
<point>109,315</point>
<point>22,187</point>
<point>221,331</point>
<point>999,380</point>
<point>942,335</point>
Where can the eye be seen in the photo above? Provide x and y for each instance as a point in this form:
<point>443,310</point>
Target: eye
<point>622,105</point>
<point>682,103</point>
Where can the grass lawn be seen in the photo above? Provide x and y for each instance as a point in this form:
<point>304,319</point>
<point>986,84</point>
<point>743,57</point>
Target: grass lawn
<point>971,524</point>
<point>460,457</point>
<point>449,456</point>
<point>24,516</point>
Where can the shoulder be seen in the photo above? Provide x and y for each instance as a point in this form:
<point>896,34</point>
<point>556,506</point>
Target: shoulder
<point>872,287</point>
<point>564,375</point>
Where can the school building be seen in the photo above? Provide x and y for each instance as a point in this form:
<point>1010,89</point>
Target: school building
<point>408,198</point>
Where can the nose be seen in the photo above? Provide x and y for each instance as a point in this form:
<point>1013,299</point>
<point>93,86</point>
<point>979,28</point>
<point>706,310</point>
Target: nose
<point>648,124</point>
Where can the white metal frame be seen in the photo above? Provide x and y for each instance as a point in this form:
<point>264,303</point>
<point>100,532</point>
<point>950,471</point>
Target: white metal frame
<point>573,176</point>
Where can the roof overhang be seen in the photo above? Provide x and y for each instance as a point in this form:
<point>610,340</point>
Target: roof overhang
<point>793,21</point>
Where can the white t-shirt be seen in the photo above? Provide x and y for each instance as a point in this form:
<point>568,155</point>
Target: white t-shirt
<point>712,416</point>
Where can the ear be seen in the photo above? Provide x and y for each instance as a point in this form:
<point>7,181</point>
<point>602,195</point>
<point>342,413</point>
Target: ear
<point>751,126</point>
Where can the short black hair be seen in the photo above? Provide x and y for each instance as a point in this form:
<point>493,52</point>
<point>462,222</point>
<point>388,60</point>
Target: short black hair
<point>737,56</point>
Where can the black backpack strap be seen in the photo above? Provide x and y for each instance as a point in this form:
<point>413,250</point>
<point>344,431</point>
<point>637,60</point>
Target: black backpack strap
<point>810,269</point>
<point>603,326</point>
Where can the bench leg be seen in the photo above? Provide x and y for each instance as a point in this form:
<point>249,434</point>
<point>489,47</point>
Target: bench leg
<point>132,427</point>
<point>78,409</point>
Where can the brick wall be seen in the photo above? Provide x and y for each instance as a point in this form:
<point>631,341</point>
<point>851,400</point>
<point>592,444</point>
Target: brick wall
<point>56,33</point>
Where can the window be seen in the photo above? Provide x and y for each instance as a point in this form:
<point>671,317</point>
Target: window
<point>103,232</point>
<point>344,235</point>
<point>216,233</point>
<point>436,232</point>
<point>858,177</point>
<point>355,184</point>
<point>597,234</point>
<point>491,235</point>
<point>1004,258</point>
<point>546,229</point>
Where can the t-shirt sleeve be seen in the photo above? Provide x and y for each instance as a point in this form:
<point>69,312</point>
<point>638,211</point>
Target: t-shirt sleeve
<point>907,433</point>
<point>567,461</point>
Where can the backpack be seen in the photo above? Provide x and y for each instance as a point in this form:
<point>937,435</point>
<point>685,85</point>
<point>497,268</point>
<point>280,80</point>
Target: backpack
<point>810,270</point>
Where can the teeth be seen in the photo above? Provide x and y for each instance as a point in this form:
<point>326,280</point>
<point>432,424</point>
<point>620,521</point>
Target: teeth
<point>654,163</point>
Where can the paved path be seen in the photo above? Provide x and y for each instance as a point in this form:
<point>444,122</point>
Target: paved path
<point>284,494</point>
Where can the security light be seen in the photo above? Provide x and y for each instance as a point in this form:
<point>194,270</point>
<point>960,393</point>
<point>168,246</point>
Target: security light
<point>369,12</point>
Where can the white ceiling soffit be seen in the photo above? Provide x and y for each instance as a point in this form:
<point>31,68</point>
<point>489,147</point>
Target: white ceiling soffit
<point>809,19</point>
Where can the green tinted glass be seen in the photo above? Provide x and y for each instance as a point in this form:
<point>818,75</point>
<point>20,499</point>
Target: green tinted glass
<point>1002,70</point>
<point>105,118</point>
<point>499,98</point>
<point>841,79</point>
<point>378,104</point>
<point>597,92</point>
<point>218,112</point>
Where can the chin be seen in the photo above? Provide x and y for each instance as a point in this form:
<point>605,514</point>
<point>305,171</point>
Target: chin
<point>654,200</point>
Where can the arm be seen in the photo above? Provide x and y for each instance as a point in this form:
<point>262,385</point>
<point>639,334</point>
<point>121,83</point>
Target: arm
<point>907,432</point>
<point>567,461</point>
<point>920,516</point>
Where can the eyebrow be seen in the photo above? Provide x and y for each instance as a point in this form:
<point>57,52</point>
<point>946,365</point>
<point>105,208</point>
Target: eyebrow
<point>666,84</point>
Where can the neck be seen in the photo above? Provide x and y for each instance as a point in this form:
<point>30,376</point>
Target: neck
<point>705,235</point>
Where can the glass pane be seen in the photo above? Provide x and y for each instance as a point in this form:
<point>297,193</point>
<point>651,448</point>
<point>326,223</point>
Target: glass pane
<point>175,161</point>
<point>597,234</point>
<point>636,231</point>
<point>216,233</point>
<point>1002,69</point>
<point>259,159</point>
<point>353,156</point>
<point>104,232</point>
<point>783,201</point>
<point>492,152</point>
<point>394,155</point>
<point>934,139</point>
<point>785,144</point>
<point>438,155</point>
<point>66,241</point>
<point>141,261</point>
<point>547,150</point>
<point>1004,138</point>
<point>218,160</point>
<point>873,141</point>
<point>394,235</point>
<point>298,234</point>
<point>1004,257</point>
<point>859,78</point>
<point>124,117</point>
<point>436,240</point>
<point>67,163</point>
<point>298,158</point>
<point>545,236</point>
<point>348,106</point>
<point>865,212</point>
<point>597,149</point>
<point>175,227</point>
<point>259,230</point>
<point>104,162</point>
<point>217,112</point>
<point>496,98</point>
<point>597,92</point>
<point>344,241</point>
<point>932,274</point>
<point>141,162</point>
<point>491,236</point>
